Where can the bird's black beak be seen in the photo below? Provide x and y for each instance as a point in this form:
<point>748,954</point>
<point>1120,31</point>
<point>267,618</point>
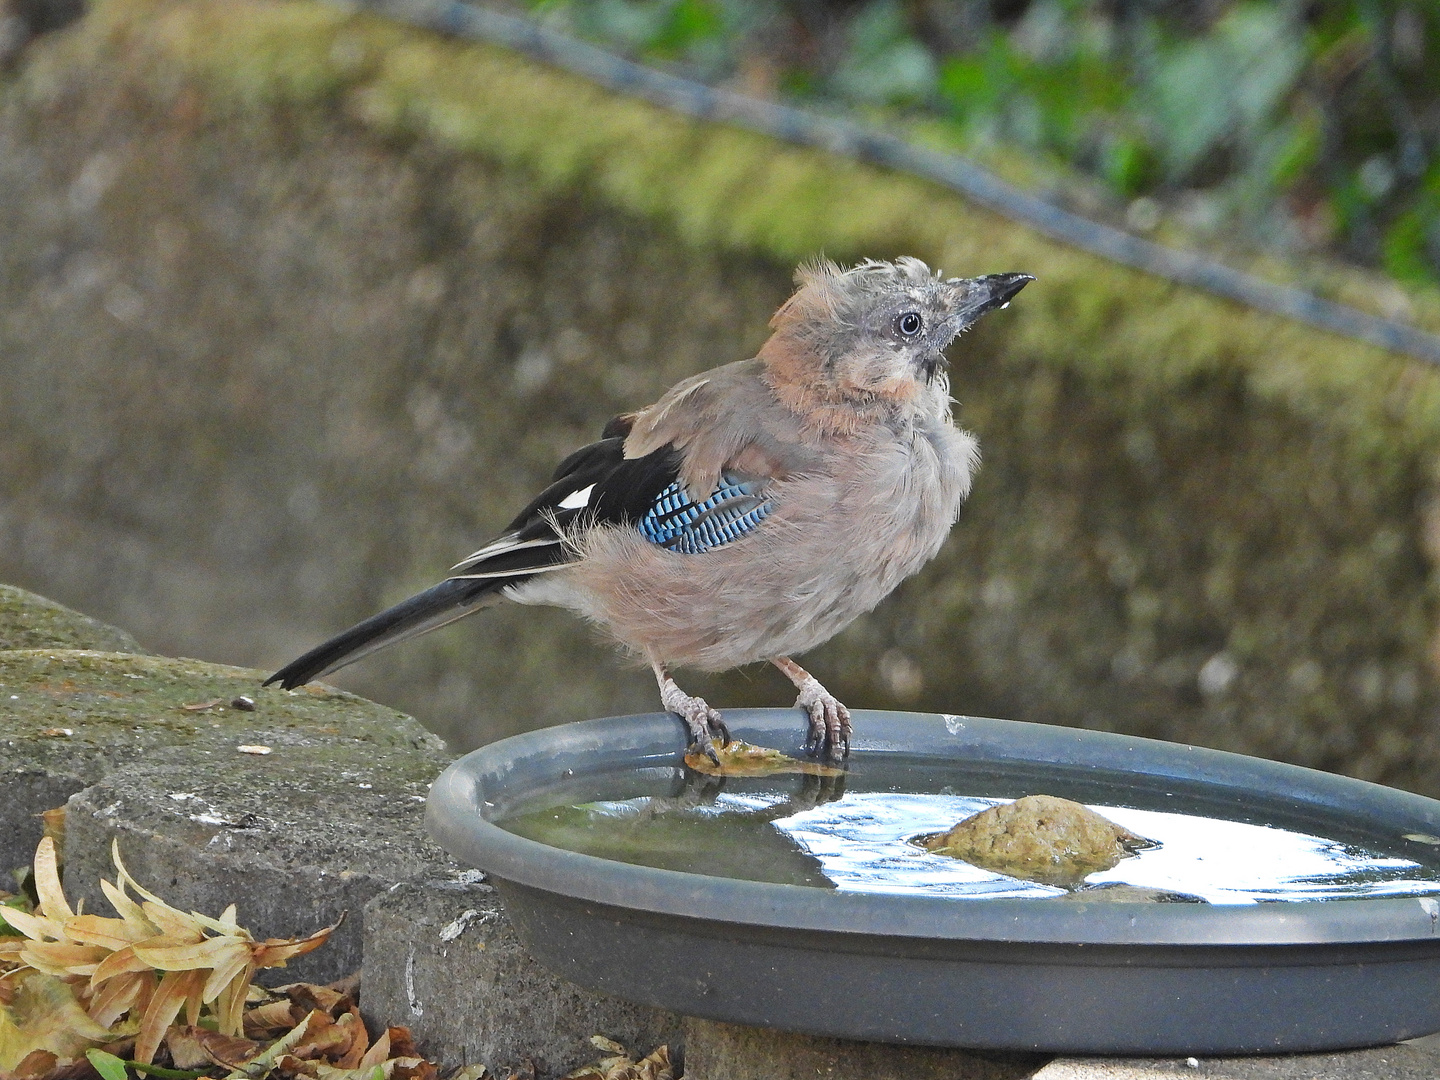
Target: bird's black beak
<point>970,299</point>
<point>976,296</point>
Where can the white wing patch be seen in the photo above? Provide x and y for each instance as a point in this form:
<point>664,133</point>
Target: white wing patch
<point>500,547</point>
<point>575,500</point>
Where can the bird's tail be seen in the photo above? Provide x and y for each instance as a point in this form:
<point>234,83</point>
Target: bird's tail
<point>435,607</point>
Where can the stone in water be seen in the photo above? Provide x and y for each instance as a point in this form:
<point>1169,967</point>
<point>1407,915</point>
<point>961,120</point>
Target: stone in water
<point>1038,838</point>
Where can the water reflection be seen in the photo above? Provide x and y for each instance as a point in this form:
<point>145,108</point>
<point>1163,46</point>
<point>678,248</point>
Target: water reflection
<point>822,832</point>
<point>862,844</point>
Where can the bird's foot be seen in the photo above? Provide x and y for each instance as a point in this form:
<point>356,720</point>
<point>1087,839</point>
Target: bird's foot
<point>829,730</point>
<point>703,722</point>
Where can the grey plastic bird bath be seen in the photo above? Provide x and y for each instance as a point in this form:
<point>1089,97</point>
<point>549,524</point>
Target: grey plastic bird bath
<point>1076,976</point>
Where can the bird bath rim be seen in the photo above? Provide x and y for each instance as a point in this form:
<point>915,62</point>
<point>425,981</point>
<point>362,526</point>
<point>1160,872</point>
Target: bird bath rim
<point>460,801</point>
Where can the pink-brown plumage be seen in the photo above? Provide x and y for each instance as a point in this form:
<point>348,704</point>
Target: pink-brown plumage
<point>810,481</point>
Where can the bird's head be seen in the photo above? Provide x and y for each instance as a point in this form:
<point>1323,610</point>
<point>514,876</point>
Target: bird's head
<point>877,331</point>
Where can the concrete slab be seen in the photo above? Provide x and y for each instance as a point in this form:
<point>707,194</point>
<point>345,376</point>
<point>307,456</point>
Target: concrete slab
<point>442,958</point>
<point>70,717</point>
<point>148,747</point>
<point>1403,1062</point>
<point>295,839</point>
<point>30,621</point>
<point>731,1052</point>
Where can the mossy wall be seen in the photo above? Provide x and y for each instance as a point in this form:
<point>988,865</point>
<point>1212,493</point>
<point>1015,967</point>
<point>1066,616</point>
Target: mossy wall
<point>297,306</point>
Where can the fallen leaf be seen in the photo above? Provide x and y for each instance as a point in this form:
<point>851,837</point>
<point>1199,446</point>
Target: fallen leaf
<point>655,1066</point>
<point>200,706</point>
<point>309,996</point>
<point>269,1019</point>
<point>46,1016</point>
<point>742,759</point>
<point>185,1049</point>
<point>201,1047</point>
<point>108,1066</point>
<point>35,1064</point>
<point>52,824</point>
<point>264,1061</point>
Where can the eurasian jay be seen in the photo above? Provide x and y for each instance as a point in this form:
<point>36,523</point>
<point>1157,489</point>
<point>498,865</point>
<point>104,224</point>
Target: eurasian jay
<point>755,510</point>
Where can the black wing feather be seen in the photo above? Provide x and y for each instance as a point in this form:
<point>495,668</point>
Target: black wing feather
<point>623,489</point>
<point>440,604</point>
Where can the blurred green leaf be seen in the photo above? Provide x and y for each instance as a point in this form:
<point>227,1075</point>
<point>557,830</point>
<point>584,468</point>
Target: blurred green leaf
<point>884,63</point>
<point>108,1066</point>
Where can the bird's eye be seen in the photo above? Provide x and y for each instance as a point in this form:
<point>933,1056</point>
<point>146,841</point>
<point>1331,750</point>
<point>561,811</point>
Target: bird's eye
<point>909,324</point>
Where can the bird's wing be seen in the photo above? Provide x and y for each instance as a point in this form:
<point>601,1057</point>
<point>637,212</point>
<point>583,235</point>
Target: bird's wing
<point>692,476</point>
<point>725,421</point>
<point>596,480</point>
<point>596,484</point>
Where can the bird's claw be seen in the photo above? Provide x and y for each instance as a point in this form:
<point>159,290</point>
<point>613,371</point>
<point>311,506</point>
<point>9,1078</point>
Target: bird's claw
<point>702,722</point>
<point>829,722</point>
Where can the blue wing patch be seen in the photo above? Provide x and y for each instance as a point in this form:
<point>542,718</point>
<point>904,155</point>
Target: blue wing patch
<point>733,509</point>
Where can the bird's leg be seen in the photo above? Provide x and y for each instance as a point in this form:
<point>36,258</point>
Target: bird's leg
<point>829,729</point>
<point>699,718</point>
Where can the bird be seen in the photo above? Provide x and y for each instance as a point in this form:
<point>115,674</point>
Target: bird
<point>752,512</point>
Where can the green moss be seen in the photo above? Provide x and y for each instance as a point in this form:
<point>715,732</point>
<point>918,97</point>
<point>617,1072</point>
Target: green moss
<point>28,621</point>
<point>722,187</point>
<point>82,711</point>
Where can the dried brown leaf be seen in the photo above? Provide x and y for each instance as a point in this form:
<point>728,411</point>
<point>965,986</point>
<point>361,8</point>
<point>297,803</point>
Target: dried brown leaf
<point>349,986</point>
<point>175,926</point>
<point>270,1019</point>
<point>110,934</point>
<point>45,1016</point>
<point>264,1061</point>
<point>230,1004</point>
<point>138,926</point>
<point>52,824</point>
<point>207,953</point>
<point>35,1064</point>
<point>173,994</point>
<point>379,1051</point>
<point>410,1068</point>
<point>349,1057</point>
<point>122,962</point>
<point>274,952</point>
<point>742,759</point>
<point>312,996</point>
<point>47,881</point>
<point>62,958</point>
<point>124,993</point>
<point>402,1042</point>
<point>292,1066</point>
<point>185,1050</point>
<point>227,1051</point>
<point>655,1066</point>
<point>325,1036</point>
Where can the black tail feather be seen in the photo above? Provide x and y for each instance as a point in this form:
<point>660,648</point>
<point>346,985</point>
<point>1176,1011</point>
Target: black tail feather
<point>452,599</point>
